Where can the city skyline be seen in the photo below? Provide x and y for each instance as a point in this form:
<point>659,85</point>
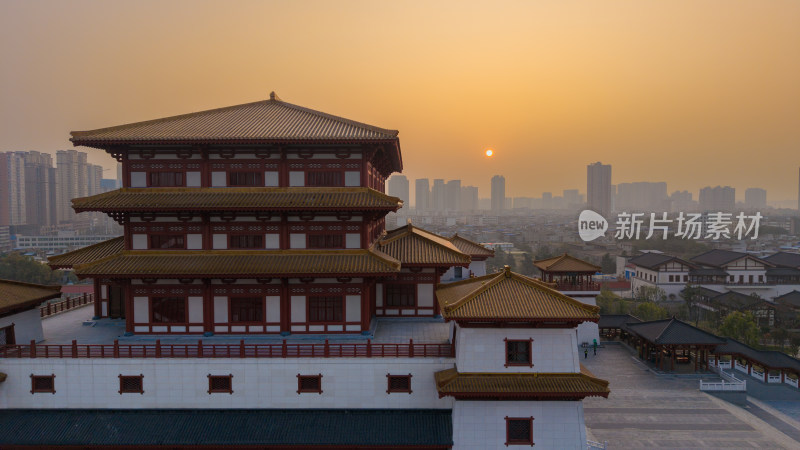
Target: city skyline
<point>662,107</point>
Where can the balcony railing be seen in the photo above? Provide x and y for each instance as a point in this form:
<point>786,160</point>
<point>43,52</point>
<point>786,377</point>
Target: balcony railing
<point>240,350</point>
<point>51,308</point>
<point>589,286</point>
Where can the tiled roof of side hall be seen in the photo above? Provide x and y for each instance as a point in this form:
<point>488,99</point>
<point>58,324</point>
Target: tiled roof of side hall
<point>450,382</point>
<point>16,295</point>
<point>87,254</point>
<point>240,263</point>
<point>510,296</point>
<point>720,258</point>
<point>770,358</point>
<point>412,245</point>
<point>672,332</point>
<point>654,260</point>
<point>784,259</point>
<point>238,199</point>
<point>566,263</point>
<point>271,119</point>
<point>474,249</point>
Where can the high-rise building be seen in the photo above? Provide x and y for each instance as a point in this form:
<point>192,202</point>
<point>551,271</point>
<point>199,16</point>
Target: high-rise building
<point>572,198</point>
<point>40,189</point>
<point>422,194</point>
<point>598,188</point>
<point>755,198</point>
<point>498,193</point>
<point>12,189</point>
<point>469,198</point>
<point>681,201</point>
<point>71,182</point>
<point>453,195</point>
<point>94,177</point>
<point>722,199</point>
<point>438,195</point>
<point>398,187</point>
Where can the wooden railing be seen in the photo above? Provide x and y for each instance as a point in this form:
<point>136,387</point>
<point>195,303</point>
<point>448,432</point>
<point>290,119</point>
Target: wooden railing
<point>51,308</point>
<point>240,350</point>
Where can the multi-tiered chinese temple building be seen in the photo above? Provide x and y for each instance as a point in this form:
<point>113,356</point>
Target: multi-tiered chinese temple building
<point>257,218</point>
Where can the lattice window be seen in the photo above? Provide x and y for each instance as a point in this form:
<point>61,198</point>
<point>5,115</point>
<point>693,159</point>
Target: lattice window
<point>519,431</point>
<point>168,309</point>
<point>325,241</point>
<point>43,384</point>
<point>401,295</point>
<point>309,383</point>
<point>325,309</point>
<point>245,179</point>
<point>323,178</point>
<point>518,352</point>
<point>398,383</point>
<point>247,309</point>
<point>131,384</point>
<point>220,384</point>
<point>246,240</point>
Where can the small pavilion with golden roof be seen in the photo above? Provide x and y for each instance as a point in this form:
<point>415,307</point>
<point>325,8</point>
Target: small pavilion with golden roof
<point>569,273</point>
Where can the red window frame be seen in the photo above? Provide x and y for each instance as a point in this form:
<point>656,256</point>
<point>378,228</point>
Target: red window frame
<point>517,440</point>
<point>161,301</point>
<point>326,240</point>
<point>245,241</point>
<point>39,388</point>
<point>162,241</point>
<point>166,179</point>
<point>245,178</point>
<point>131,384</point>
<point>509,351</point>
<point>406,291</point>
<point>394,383</point>
<point>305,384</point>
<point>324,178</point>
<point>252,307</point>
<point>325,309</point>
<point>220,384</point>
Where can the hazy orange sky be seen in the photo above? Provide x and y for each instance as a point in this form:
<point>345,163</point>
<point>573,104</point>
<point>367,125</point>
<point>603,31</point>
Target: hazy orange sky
<point>693,93</point>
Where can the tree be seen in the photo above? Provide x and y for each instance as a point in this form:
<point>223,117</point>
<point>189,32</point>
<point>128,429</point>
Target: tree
<point>651,294</point>
<point>17,267</point>
<point>527,264</point>
<point>607,264</point>
<point>740,326</point>
<point>650,311</point>
<point>692,295</point>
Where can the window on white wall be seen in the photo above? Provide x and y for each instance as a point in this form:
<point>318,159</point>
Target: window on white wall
<point>519,431</point>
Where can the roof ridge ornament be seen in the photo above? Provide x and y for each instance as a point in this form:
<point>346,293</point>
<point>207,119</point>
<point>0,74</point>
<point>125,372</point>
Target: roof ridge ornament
<point>274,96</point>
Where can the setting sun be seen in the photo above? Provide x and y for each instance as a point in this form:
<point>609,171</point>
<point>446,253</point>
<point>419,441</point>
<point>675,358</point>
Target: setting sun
<point>489,152</point>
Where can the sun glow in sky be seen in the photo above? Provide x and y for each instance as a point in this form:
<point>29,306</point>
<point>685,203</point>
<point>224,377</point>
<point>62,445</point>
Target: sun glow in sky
<point>489,152</point>
<point>691,92</point>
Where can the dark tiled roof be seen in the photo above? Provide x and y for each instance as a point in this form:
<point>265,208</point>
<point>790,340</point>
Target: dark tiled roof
<point>654,260</point>
<point>616,321</point>
<point>566,263</point>
<point>87,254</point>
<point>239,199</point>
<point>703,291</point>
<point>720,258</point>
<point>271,119</point>
<point>303,428</point>
<point>17,296</point>
<point>412,245</point>
<point>734,300</point>
<point>473,249</point>
<point>784,259</point>
<point>673,332</point>
<point>510,296</point>
<point>242,263</point>
<point>782,272</point>
<point>771,359</point>
<point>790,299</point>
<point>450,382</point>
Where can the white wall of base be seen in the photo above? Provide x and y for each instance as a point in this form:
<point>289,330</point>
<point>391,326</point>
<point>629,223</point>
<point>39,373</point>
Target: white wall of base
<point>479,425</point>
<point>257,383</point>
<point>588,332</point>
<point>27,326</point>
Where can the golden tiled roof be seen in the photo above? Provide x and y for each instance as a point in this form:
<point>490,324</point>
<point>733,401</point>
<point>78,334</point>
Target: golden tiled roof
<point>450,382</point>
<point>271,119</point>
<point>241,263</point>
<point>506,295</point>
<point>18,295</point>
<point>239,199</point>
<point>414,246</point>
<point>87,254</point>
<point>471,248</point>
<point>566,263</point>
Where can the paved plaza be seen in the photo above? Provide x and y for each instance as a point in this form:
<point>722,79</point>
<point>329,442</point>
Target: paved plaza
<point>646,410</point>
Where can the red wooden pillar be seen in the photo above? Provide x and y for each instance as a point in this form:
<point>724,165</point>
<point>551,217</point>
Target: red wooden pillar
<point>206,232</point>
<point>366,299</point>
<point>98,311</point>
<point>283,170</point>
<point>126,170</point>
